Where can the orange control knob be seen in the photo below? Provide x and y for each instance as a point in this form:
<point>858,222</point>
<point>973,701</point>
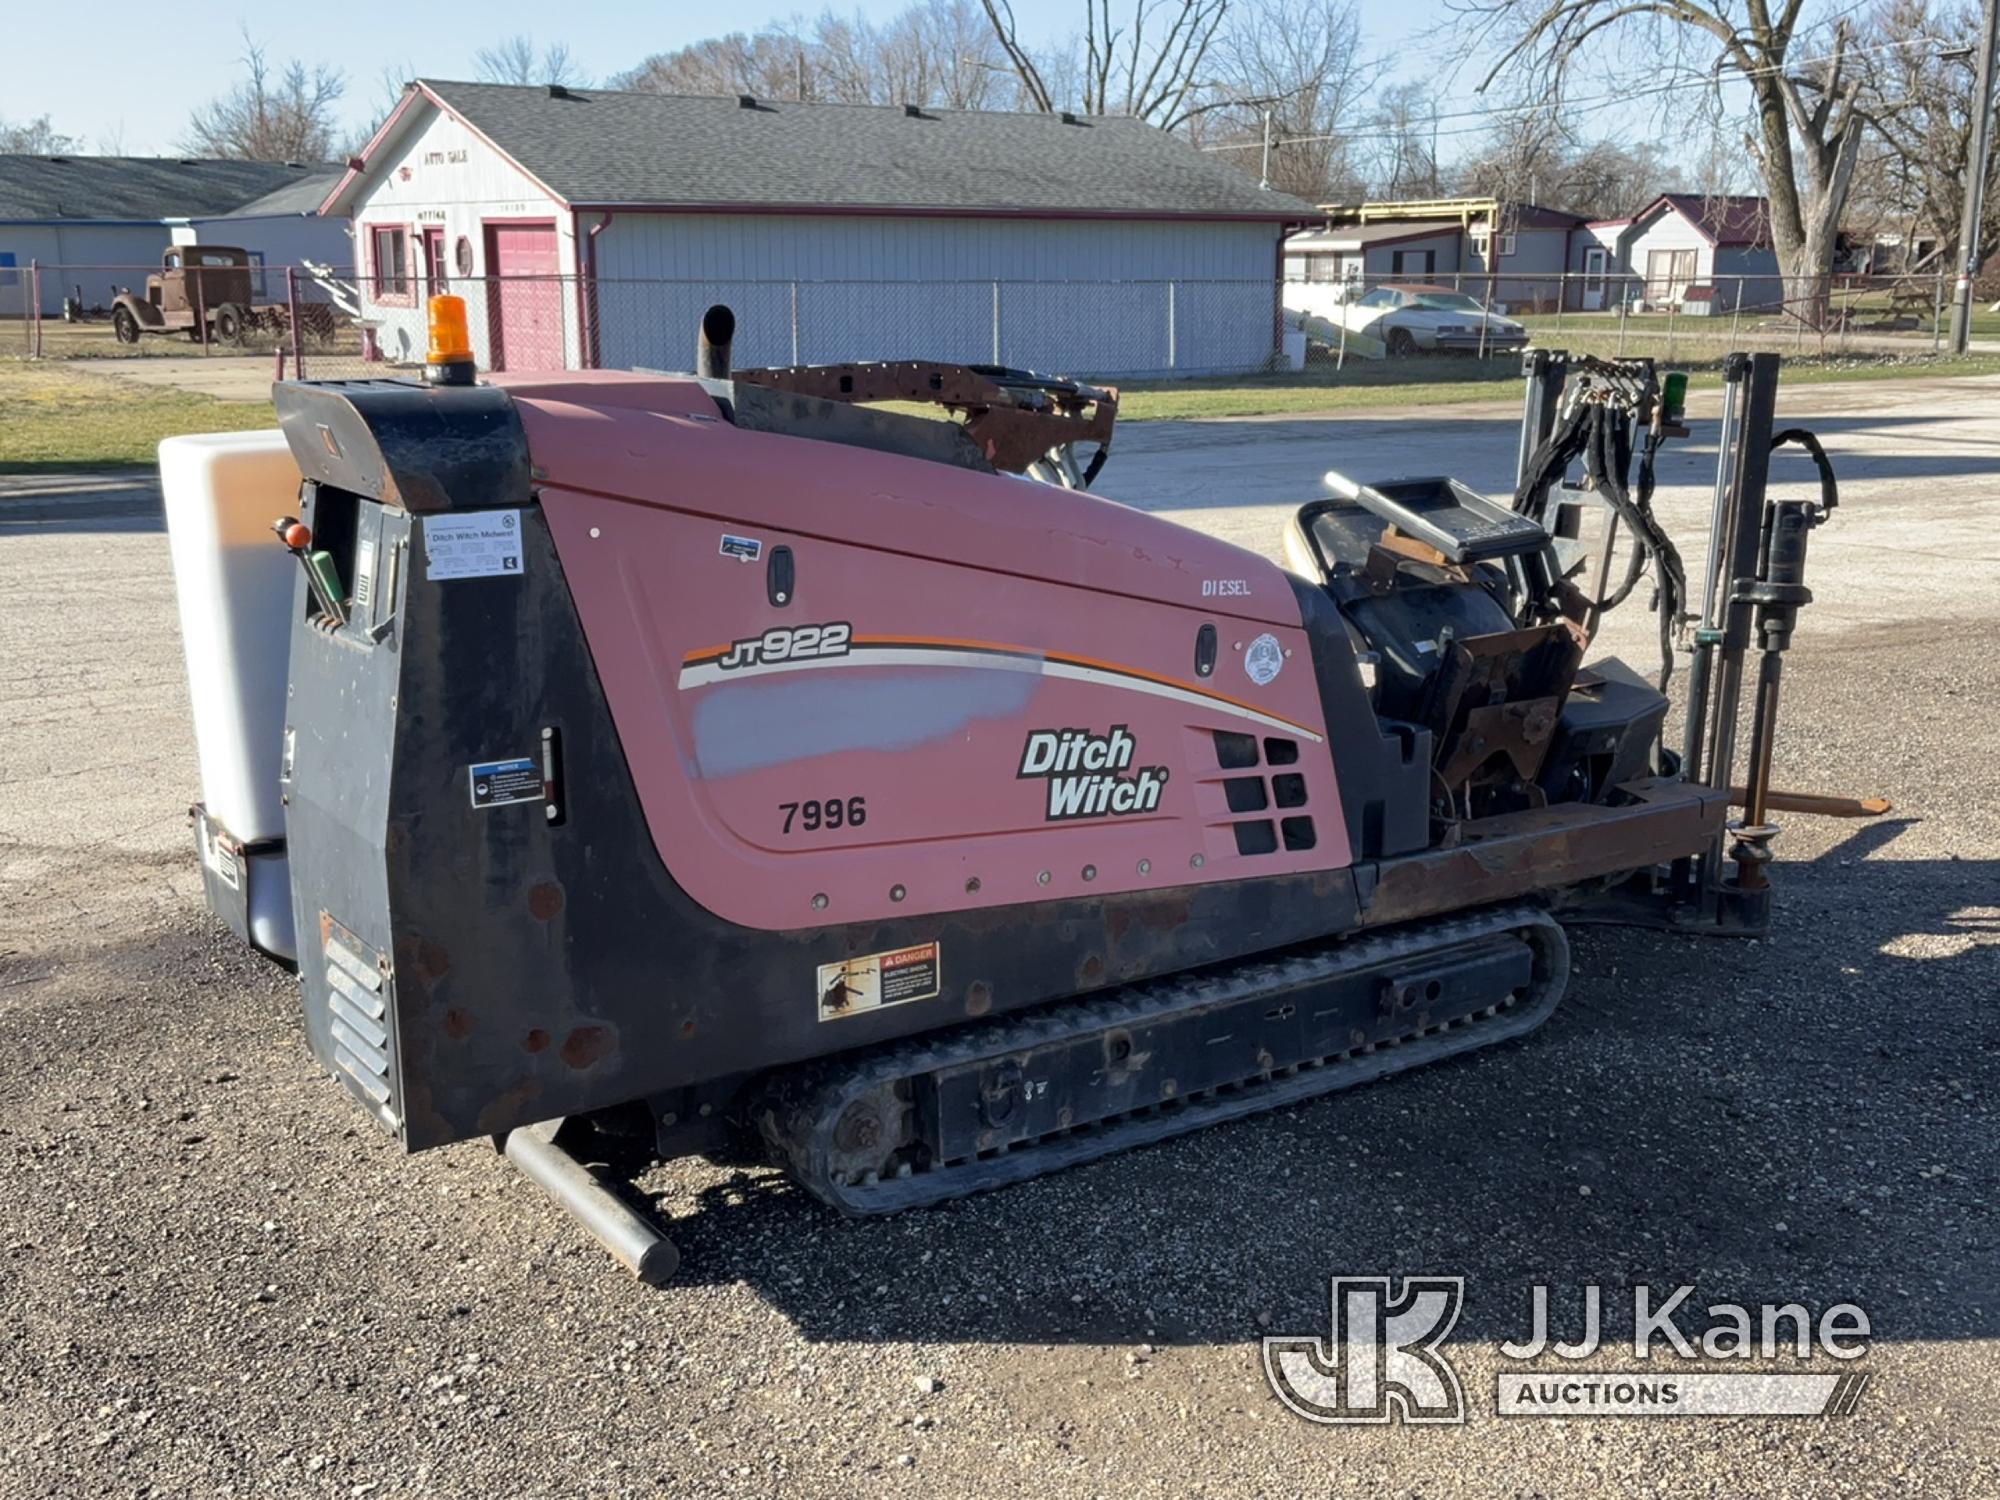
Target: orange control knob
<point>298,536</point>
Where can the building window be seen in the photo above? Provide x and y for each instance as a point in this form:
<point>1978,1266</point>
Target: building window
<point>437,273</point>
<point>389,250</point>
<point>1322,267</point>
<point>1480,239</point>
<point>1669,273</point>
<point>9,275</point>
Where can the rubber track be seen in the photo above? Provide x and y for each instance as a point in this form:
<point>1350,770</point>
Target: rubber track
<point>813,1098</point>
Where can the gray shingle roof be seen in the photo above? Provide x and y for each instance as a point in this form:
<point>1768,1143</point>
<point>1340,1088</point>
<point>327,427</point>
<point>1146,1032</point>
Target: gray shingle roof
<point>596,146</point>
<point>303,195</point>
<point>136,187</point>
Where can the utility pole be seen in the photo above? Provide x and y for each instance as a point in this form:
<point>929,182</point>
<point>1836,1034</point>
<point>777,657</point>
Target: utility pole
<point>1975,184</point>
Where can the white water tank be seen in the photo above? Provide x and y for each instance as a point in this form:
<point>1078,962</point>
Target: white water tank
<point>235,583</point>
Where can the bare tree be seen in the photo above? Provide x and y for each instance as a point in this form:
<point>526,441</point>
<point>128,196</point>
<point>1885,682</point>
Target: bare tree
<point>943,52</point>
<point>516,60</point>
<point>286,116</point>
<point>1807,117</point>
<point>1612,180</point>
<point>1921,95</point>
<point>1302,61</point>
<point>1719,168</point>
<point>1032,73</point>
<point>771,65</point>
<point>36,137</point>
<point>392,81</point>
<point>1522,159</point>
<point>845,59</point>
<point>1534,156</point>
<point>936,52</point>
<point>1149,59</point>
<point>1404,129</point>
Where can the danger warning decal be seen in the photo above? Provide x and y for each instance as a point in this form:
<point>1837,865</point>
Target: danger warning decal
<point>1091,775</point>
<point>880,980</point>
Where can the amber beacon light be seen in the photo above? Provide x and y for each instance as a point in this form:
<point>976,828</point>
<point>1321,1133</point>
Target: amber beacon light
<point>450,361</point>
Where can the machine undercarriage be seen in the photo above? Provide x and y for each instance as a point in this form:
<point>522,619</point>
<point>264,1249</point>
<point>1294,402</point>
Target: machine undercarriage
<point>937,1118</point>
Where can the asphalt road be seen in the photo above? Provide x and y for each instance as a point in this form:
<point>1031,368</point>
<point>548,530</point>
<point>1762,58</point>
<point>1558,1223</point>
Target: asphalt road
<point>216,1278</point>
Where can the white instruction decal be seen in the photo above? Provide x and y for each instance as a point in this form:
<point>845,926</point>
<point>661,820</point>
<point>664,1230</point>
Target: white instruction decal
<point>484,544</point>
<point>218,856</point>
<point>364,573</point>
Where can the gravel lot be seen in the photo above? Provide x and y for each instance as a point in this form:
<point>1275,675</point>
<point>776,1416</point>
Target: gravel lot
<point>217,1278</point>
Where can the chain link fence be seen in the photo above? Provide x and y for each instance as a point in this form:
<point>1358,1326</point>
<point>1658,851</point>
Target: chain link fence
<point>74,311</point>
<point>322,322</point>
<point>325,324</point>
<point>1612,315</point>
<point>1109,329</point>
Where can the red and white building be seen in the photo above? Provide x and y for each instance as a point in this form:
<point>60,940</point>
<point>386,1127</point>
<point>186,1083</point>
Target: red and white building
<point>591,227</point>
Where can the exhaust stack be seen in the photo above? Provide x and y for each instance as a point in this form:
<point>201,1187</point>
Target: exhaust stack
<point>711,350</point>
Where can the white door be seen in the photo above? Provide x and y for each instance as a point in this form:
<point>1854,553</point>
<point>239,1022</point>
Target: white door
<point>1594,262</point>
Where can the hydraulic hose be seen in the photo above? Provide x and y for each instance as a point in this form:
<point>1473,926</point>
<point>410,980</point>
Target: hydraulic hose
<point>1596,433</point>
<point>1829,489</point>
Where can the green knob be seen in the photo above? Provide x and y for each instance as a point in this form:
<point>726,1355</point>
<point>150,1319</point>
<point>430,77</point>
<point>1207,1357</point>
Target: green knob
<point>1674,395</point>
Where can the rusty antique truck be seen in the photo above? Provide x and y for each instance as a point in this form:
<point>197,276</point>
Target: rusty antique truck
<point>208,292</point>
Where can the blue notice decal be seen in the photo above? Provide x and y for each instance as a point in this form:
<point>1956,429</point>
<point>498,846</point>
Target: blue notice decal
<point>495,783</point>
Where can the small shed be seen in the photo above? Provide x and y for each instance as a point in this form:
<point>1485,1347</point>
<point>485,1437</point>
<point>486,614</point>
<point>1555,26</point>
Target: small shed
<point>590,227</point>
<point>98,222</point>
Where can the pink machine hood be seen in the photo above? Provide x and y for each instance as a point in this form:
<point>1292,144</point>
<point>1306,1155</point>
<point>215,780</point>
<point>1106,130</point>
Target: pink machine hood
<point>611,432</point>
<point>949,630</point>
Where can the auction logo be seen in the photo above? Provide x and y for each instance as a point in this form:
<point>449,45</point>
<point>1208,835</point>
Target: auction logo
<point>1381,1358</point>
<point>1384,1357</point>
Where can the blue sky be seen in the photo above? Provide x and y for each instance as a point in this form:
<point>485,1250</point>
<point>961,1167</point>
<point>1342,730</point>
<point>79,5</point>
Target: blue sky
<point>136,96</point>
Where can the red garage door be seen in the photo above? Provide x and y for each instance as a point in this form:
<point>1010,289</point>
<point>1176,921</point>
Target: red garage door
<point>525,297</point>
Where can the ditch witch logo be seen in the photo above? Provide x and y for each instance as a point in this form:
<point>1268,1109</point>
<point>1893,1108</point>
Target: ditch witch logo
<point>1384,1359</point>
<point>1084,773</point>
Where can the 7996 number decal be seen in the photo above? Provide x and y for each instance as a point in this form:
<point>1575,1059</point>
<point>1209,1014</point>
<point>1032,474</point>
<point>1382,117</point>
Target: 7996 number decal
<point>832,812</point>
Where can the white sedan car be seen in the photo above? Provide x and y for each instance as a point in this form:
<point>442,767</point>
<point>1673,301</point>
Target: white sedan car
<point>1431,319</point>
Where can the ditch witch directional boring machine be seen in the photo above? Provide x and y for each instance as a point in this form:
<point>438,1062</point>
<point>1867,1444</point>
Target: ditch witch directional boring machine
<point>731,753</point>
